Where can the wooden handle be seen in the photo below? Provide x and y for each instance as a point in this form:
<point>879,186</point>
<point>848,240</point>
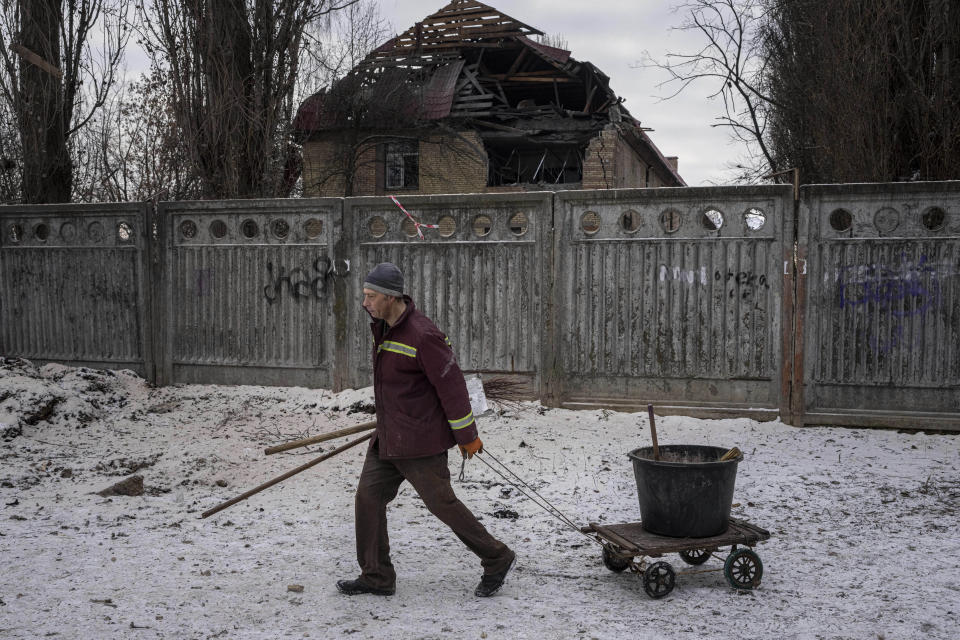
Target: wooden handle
<point>292,472</point>
<point>366,426</point>
<point>730,455</point>
<point>653,433</point>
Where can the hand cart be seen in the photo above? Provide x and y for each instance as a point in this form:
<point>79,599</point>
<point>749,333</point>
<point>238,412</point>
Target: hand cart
<point>628,545</point>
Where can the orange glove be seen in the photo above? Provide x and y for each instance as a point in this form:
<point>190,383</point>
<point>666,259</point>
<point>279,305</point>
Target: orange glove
<point>467,450</point>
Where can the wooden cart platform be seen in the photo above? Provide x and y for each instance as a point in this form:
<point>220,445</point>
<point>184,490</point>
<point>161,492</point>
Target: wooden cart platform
<point>624,543</point>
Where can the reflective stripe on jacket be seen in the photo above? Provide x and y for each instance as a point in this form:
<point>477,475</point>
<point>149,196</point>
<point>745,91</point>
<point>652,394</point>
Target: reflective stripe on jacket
<point>423,407</point>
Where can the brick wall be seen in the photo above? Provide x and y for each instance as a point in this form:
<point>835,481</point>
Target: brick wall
<point>447,165</point>
<point>365,175</point>
<point>321,160</point>
<point>453,165</point>
<point>630,171</point>
<point>610,163</point>
<point>460,165</point>
<point>598,161</point>
<point>330,158</point>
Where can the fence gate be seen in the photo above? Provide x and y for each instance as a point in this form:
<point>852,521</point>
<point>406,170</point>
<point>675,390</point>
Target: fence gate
<point>72,285</point>
<point>671,297</point>
<point>882,317</point>
<point>251,292</point>
<point>477,276</point>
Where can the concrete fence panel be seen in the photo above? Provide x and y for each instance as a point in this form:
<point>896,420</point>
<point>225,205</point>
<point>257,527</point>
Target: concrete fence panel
<point>248,291</point>
<point>672,297</point>
<point>73,285</point>
<point>478,275</point>
<point>882,318</point>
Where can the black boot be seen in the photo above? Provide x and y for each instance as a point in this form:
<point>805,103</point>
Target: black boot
<point>355,587</point>
<point>491,583</point>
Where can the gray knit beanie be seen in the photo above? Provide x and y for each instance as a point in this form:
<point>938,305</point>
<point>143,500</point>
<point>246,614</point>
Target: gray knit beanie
<point>385,278</point>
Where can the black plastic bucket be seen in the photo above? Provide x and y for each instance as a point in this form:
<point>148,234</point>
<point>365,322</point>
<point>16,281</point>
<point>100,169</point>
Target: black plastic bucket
<point>688,492</point>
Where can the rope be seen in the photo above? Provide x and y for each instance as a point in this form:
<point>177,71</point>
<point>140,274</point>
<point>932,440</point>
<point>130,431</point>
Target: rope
<point>540,501</point>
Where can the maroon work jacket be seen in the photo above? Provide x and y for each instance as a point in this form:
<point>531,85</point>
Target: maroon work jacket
<point>423,407</point>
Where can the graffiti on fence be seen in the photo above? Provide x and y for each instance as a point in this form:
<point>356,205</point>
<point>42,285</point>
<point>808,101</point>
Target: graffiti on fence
<point>745,284</point>
<point>902,289</point>
<point>297,282</point>
<point>738,284</point>
<point>905,289</point>
<point>684,275</point>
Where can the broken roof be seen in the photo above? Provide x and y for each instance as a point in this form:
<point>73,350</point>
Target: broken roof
<point>474,64</point>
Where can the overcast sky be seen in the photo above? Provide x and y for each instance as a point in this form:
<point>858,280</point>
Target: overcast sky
<point>613,35</point>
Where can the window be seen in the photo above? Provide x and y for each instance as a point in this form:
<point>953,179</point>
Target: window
<point>402,164</point>
<point>554,164</point>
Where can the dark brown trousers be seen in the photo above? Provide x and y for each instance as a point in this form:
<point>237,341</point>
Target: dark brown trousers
<point>379,482</point>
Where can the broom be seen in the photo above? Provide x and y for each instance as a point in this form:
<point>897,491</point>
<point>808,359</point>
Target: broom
<point>503,391</point>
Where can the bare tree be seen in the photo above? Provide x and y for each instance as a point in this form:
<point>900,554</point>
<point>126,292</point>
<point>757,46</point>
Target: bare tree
<point>339,46</point>
<point>865,91</point>
<point>843,90</point>
<point>356,104</point>
<point>9,156</point>
<point>732,59</point>
<point>54,80</point>
<point>133,151</point>
<point>357,117</point>
<point>233,67</point>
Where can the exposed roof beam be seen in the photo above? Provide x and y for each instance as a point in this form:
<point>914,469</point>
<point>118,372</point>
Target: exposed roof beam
<point>527,79</point>
<point>516,64</point>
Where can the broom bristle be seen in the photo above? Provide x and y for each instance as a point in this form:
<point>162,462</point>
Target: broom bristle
<point>506,392</point>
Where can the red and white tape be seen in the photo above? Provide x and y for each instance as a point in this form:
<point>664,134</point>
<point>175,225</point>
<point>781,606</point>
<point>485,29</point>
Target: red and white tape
<point>415,223</point>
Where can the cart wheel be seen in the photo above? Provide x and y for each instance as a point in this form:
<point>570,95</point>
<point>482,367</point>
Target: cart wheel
<point>695,556</point>
<point>659,579</point>
<point>613,562</point>
<point>743,569</point>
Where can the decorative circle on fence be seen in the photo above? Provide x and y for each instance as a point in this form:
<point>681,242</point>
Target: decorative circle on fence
<point>630,221</point>
<point>841,220</point>
<point>218,229</point>
<point>590,222</point>
<point>671,220</point>
<point>712,219</point>
<point>68,231</point>
<point>41,231</point>
<point>281,228</point>
<point>95,231</point>
<point>482,225</point>
<point>124,233</point>
<point>934,219</point>
<point>250,229</point>
<point>313,228</point>
<point>448,226</point>
<point>377,227</point>
<point>15,233</point>
<point>188,229</point>
<point>518,224</point>
<point>409,228</point>
<point>886,219</point>
<point>754,218</point>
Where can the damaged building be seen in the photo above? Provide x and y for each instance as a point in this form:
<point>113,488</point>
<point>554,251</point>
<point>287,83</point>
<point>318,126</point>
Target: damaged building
<point>467,101</point>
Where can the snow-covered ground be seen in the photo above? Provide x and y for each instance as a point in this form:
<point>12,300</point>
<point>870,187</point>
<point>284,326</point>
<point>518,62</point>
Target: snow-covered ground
<point>864,523</point>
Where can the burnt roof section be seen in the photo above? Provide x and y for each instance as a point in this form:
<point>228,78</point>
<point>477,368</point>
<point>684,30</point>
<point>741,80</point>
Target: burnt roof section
<point>439,90</point>
<point>474,65</point>
<point>459,23</point>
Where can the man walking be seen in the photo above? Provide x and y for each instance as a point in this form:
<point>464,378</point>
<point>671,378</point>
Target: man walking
<point>423,409</point>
